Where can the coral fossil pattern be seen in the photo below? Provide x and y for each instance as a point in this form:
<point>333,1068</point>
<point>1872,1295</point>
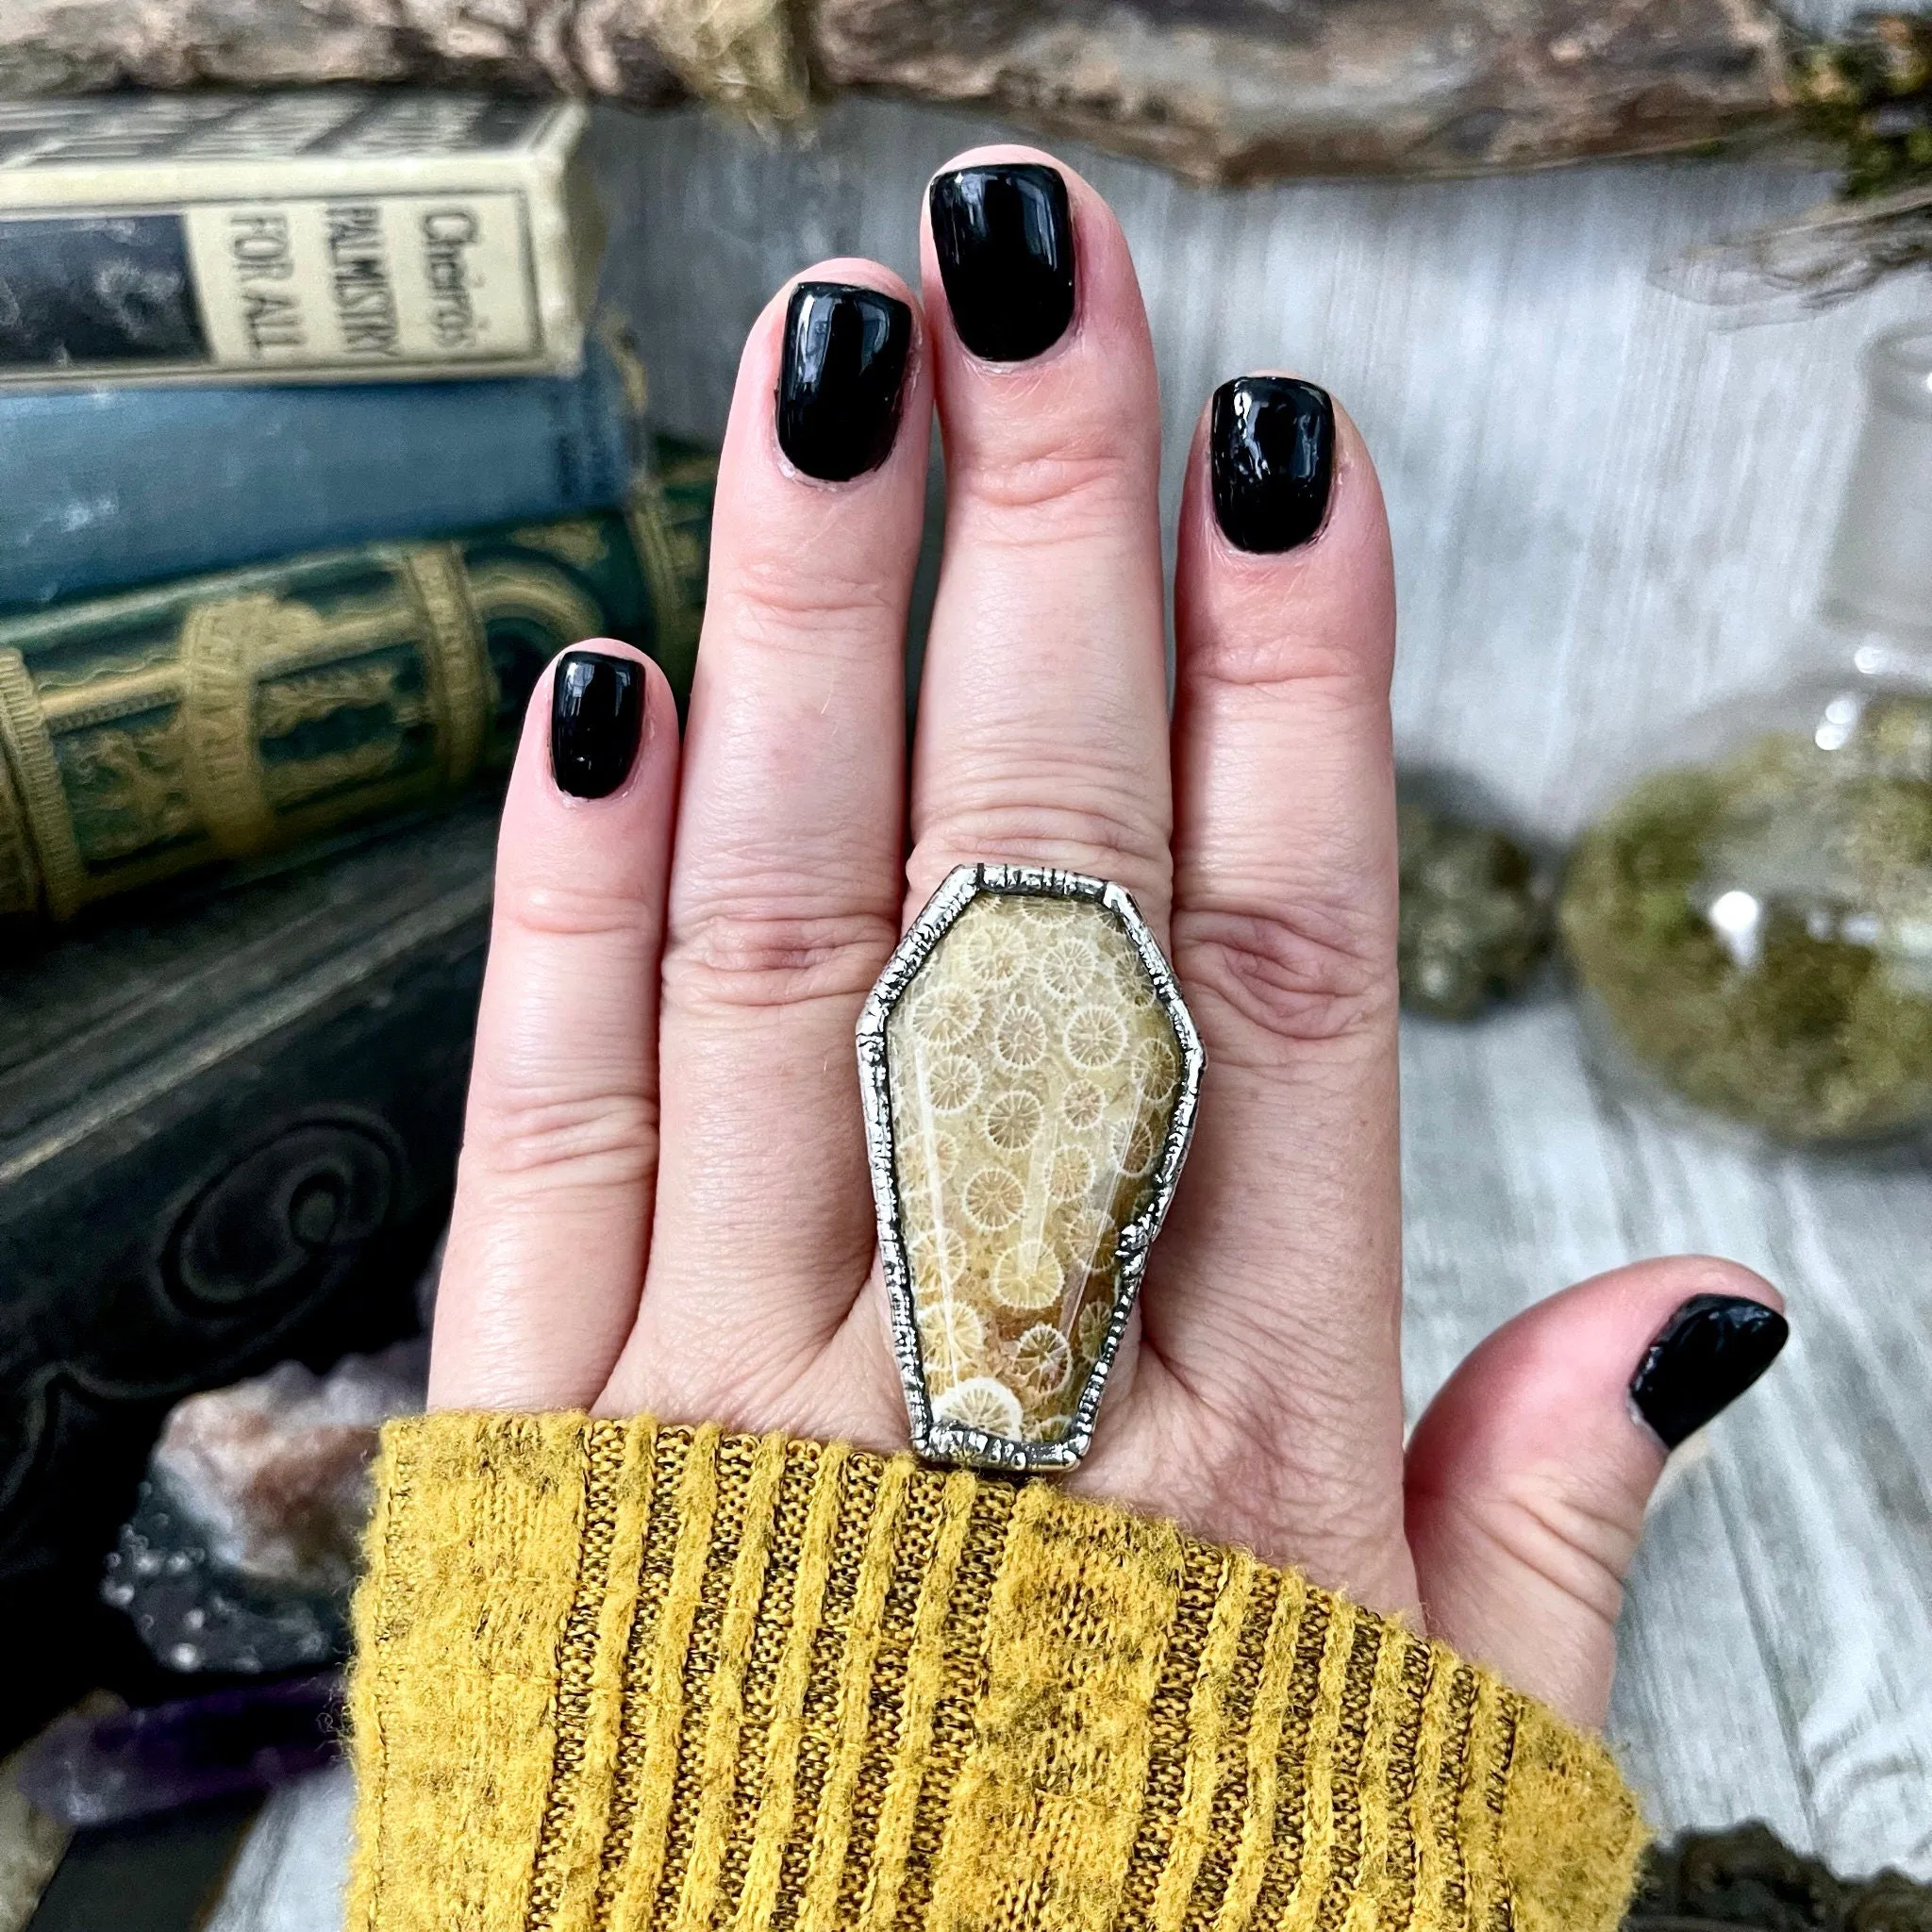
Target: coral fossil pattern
<point>1033,1075</point>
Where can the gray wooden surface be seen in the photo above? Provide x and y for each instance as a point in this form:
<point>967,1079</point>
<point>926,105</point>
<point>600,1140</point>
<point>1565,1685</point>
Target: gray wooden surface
<point>1606,513</point>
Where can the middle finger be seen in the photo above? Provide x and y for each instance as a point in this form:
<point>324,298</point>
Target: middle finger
<point>1042,714</point>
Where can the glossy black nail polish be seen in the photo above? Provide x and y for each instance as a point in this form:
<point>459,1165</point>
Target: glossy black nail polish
<point>1004,239</point>
<point>840,378</point>
<point>596,722</point>
<point>1711,1351</point>
<point>1270,454</point>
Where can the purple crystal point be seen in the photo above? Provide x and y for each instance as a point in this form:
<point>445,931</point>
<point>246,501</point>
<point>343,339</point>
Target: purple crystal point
<point>100,1769</point>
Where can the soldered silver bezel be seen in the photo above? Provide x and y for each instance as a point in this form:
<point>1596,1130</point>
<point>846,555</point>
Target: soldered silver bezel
<point>933,1438</point>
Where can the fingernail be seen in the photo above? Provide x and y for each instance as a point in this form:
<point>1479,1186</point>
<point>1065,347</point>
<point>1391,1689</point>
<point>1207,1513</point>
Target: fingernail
<point>1004,239</point>
<point>1709,1353</point>
<point>596,722</point>
<point>844,365</point>
<point>1271,452</point>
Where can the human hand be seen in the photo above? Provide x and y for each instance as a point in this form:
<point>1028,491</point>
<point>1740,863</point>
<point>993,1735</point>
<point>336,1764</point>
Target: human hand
<point>664,1204</point>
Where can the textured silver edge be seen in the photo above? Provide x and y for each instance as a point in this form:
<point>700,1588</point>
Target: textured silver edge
<point>943,1442</point>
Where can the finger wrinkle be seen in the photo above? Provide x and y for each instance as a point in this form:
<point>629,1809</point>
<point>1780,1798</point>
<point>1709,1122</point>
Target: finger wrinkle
<point>1327,671</point>
<point>598,1142</point>
<point>1319,1380</point>
<point>1500,1532</point>
<point>757,871</point>
<point>1308,978</point>
<point>1025,768</point>
<point>801,585</point>
<point>1113,841</point>
<point>1072,484</point>
<point>749,955</point>
<point>547,908</point>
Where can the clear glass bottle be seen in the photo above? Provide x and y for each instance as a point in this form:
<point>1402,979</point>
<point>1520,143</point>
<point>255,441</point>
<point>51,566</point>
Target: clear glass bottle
<point>1752,918</point>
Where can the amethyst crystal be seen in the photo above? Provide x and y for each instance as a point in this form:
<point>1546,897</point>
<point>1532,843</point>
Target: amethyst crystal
<point>90,1770</point>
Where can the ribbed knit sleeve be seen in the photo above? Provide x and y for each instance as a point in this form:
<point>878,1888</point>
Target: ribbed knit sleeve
<point>616,1675</point>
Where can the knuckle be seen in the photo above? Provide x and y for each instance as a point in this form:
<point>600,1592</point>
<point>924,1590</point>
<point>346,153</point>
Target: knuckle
<point>1109,834</point>
<point>1076,476</point>
<point>773,599</point>
<point>547,907</point>
<point>749,954</point>
<point>1277,1478</point>
<point>595,1141</point>
<point>1333,676</point>
<point>1575,1546</point>
<point>1320,975</point>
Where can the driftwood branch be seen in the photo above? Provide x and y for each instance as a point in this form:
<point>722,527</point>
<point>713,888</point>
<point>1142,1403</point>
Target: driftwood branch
<point>1240,89</point>
<point>1221,89</point>
<point>644,52</point>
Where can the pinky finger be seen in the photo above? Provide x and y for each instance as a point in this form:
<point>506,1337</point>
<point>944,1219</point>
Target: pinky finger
<point>1528,1474</point>
<point>546,1244</point>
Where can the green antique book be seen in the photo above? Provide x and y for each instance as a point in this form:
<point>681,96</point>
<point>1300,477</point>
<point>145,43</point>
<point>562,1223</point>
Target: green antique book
<point>152,731</point>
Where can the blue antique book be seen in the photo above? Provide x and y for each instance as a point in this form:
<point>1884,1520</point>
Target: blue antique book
<point>105,487</point>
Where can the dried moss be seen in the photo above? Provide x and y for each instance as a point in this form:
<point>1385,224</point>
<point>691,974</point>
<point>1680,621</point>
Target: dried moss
<point>1749,1877</point>
<point>1867,93</point>
<point>1816,1023</point>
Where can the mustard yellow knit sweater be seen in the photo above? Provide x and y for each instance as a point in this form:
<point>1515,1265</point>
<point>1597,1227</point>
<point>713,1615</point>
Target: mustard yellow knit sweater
<point>617,1675</point>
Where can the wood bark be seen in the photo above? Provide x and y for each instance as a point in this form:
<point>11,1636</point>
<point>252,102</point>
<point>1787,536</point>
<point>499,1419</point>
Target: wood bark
<point>1219,90</point>
<point>644,52</point>
<point>1241,90</point>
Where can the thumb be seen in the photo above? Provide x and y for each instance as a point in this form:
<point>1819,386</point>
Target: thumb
<point>1527,1477</point>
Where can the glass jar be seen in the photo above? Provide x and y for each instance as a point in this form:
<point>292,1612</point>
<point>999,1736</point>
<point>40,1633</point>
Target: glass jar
<point>1754,919</point>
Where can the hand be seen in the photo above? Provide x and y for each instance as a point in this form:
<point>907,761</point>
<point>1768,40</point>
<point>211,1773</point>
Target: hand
<point>664,1204</point>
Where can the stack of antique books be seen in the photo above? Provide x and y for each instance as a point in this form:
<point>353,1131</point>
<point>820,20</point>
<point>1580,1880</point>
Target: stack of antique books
<point>313,449</point>
<point>266,568</point>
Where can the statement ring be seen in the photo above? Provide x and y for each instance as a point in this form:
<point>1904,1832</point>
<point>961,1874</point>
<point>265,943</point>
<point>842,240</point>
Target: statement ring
<point>1030,1075</point>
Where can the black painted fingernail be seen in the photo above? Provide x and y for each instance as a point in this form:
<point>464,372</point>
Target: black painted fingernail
<point>839,384</point>
<point>1711,1351</point>
<point>596,722</point>
<point>1271,452</point>
<point>1004,239</point>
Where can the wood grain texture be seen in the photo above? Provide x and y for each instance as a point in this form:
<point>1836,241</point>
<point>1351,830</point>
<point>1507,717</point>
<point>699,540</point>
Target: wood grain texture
<point>1605,512</point>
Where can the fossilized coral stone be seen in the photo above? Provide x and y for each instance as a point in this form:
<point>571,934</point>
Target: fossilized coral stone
<point>1034,1074</point>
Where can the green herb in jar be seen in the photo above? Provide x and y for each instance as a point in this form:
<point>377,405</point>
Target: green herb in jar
<point>1760,931</point>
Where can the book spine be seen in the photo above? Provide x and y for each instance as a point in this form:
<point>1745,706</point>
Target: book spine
<point>148,732</point>
<point>441,266</point>
<point>95,479</point>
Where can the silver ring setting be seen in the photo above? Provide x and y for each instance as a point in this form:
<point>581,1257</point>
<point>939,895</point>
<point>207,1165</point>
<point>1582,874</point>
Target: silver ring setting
<point>1030,1075</point>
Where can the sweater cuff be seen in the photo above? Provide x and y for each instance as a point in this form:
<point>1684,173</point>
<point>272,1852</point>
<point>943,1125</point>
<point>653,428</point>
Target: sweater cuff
<point>614,1674</point>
